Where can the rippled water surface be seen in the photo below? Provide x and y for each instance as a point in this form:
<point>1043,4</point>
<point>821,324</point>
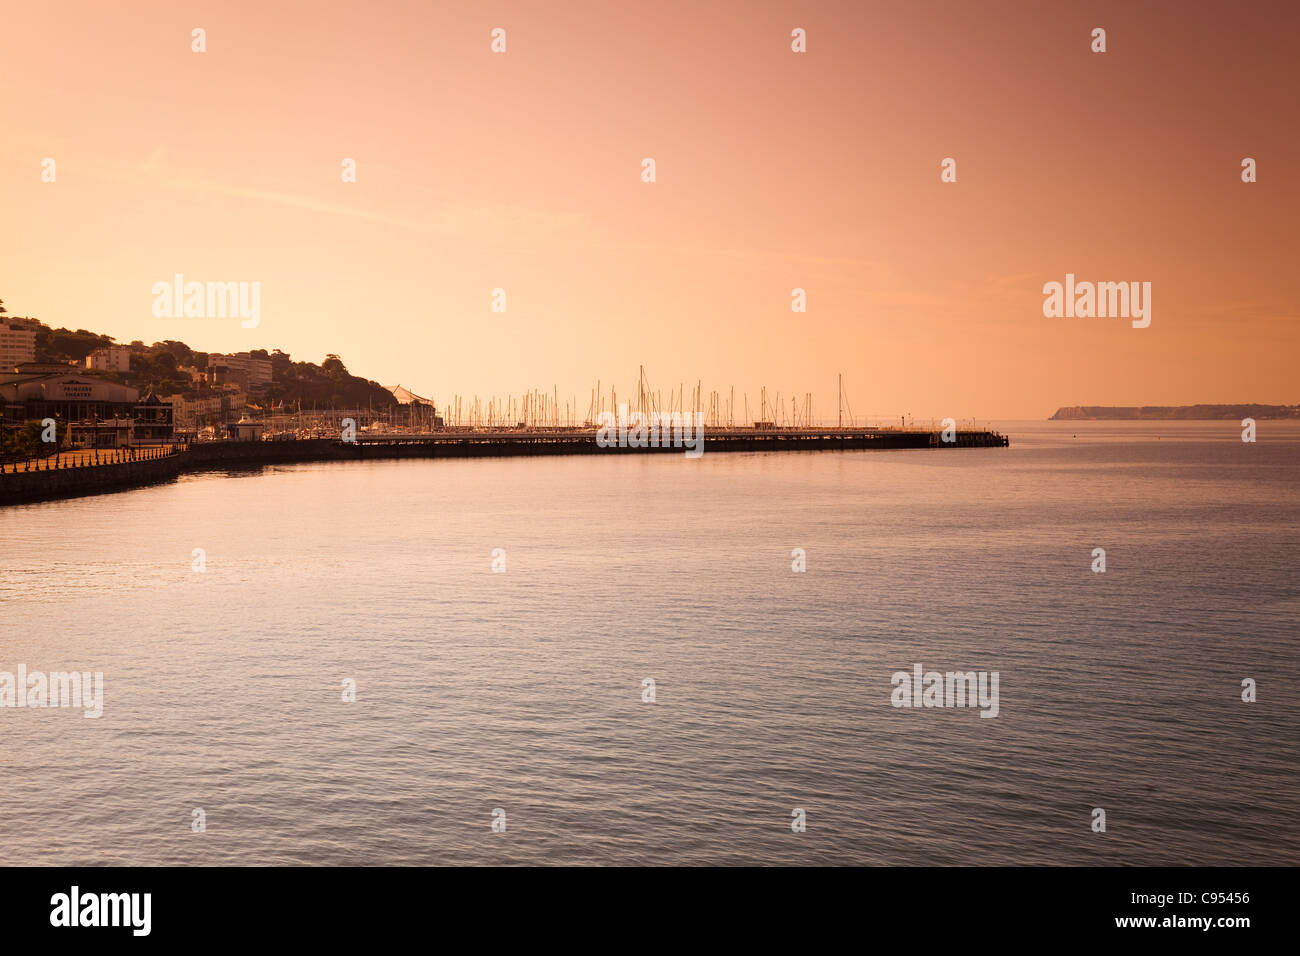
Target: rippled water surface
<point>523,690</point>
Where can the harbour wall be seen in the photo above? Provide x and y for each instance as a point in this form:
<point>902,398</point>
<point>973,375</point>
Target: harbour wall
<point>55,483</point>
<point>67,482</point>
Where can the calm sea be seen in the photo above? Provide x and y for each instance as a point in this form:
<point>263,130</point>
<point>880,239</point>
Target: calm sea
<point>522,691</point>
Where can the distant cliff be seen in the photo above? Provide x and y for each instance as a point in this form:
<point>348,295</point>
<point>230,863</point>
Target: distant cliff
<point>1074,413</point>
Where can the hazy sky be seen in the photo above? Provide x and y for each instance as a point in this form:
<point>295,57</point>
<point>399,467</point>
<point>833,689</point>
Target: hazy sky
<point>775,170</point>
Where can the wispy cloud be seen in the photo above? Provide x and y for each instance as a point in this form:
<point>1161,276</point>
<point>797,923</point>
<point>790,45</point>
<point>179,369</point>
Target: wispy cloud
<point>464,221</point>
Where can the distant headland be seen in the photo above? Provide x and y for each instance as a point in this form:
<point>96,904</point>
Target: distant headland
<point>1186,413</point>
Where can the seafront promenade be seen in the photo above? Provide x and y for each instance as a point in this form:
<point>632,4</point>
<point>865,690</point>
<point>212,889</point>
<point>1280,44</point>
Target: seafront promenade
<point>89,458</point>
<point>96,471</point>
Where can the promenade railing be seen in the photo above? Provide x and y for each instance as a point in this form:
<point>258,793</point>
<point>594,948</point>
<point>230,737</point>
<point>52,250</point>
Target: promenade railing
<point>90,458</point>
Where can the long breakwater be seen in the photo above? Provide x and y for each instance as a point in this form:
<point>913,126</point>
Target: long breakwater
<point>80,473</point>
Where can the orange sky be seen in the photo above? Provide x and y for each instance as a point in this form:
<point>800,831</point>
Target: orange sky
<point>775,170</point>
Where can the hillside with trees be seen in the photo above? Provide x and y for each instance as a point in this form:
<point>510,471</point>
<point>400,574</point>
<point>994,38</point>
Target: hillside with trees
<point>157,367</point>
<point>327,385</point>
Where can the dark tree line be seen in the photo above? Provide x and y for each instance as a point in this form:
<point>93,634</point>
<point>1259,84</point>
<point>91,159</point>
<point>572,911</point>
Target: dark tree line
<point>327,385</point>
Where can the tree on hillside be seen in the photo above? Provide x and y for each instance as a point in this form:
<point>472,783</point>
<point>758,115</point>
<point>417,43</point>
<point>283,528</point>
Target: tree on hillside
<point>334,368</point>
<point>62,345</point>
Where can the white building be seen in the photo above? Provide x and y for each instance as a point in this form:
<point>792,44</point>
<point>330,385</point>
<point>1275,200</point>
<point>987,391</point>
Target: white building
<point>240,368</point>
<point>17,344</point>
<point>200,407</point>
<point>112,358</point>
<point>244,430</point>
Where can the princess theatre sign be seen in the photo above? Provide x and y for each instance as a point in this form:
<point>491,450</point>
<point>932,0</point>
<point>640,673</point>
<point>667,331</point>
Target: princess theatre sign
<point>72,390</point>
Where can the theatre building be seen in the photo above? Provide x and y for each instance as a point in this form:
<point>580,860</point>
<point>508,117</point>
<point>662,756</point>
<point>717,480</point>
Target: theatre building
<point>85,405</point>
